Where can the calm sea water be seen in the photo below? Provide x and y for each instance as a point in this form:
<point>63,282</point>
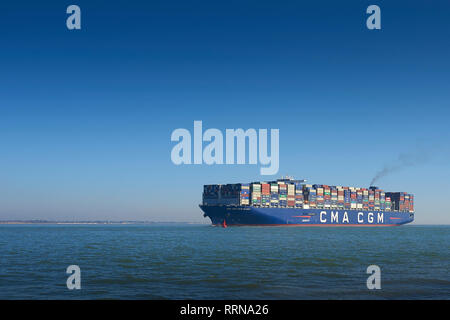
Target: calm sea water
<point>205,262</point>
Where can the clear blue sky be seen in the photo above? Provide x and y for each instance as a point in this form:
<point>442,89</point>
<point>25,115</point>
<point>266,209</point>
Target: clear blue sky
<point>86,116</point>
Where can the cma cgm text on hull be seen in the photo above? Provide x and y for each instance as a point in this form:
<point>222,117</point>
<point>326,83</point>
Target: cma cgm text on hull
<point>290,202</point>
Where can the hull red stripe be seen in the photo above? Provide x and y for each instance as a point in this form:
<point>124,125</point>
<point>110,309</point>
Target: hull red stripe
<point>311,225</point>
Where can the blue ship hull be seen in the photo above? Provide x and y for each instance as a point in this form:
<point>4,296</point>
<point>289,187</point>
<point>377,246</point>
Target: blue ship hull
<point>260,216</point>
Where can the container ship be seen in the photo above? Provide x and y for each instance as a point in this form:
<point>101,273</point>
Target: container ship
<point>290,202</point>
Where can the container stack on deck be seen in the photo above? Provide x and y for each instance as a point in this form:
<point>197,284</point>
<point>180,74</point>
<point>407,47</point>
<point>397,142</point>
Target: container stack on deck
<point>265,194</point>
<point>401,201</point>
<point>376,201</point>
<point>334,197</point>
<point>282,194</point>
<point>274,194</point>
<point>291,195</point>
<point>245,194</point>
<point>230,193</point>
<point>285,194</point>
<point>353,198</point>
<point>256,194</point>
<point>312,198</point>
<point>382,200</point>
<point>371,199</point>
<point>359,198</point>
<point>319,196</point>
<point>211,193</point>
<point>326,197</point>
<point>347,198</point>
<point>365,203</point>
<point>388,204</point>
<point>298,195</point>
<point>340,197</point>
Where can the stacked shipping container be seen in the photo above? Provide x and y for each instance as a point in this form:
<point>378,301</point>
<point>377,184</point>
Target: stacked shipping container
<point>298,195</point>
<point>245,194</point>
<point>282,194</point>
<point>265,194</point>
<point>291,195</point>
<point>274,194</point>
<point>256,194</point>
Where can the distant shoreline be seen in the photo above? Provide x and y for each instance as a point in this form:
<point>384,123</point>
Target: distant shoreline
<point>93,222</point>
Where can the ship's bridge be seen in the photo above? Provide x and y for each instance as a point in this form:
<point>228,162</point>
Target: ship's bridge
<point>290,179</point>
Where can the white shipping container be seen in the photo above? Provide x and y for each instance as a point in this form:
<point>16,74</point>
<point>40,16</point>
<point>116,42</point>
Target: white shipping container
<point>291,189</point>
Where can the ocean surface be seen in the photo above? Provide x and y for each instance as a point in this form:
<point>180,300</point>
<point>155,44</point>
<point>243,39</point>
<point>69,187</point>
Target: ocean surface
<point>181,261</point>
